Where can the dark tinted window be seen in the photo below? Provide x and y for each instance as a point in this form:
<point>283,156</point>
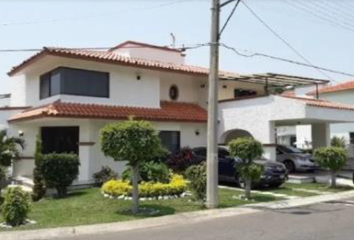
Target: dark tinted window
<point>223,153</point>
<point>171,140</point>
<point>243,93</point>
<point>60,140</point>
<point>72,81</point>
<point>45,86</point>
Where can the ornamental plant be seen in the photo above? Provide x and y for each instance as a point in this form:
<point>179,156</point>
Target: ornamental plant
<point>9,148</point>
<point>150,172</point>
<point>16,206</point>
<point>332,158</point>
<point>338,142</point>
<point>39,188</point>
<point>59,170</point>
<point>181,160</point>
<point>104,175</point>
<point>247,150</point>
<point>196,174</point>
<point>133,141</point>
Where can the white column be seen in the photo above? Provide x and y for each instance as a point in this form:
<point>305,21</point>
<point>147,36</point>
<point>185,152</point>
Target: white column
<point>269,143</point>
<point>320,135</point>
<point>84,152</point>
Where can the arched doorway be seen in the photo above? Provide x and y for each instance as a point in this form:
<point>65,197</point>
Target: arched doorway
<point>234,134</point>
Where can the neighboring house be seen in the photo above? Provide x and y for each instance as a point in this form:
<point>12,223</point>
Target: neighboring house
<point>65,96</point>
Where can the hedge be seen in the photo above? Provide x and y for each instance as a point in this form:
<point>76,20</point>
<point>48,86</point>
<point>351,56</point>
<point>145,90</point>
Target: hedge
<point>117,188</point>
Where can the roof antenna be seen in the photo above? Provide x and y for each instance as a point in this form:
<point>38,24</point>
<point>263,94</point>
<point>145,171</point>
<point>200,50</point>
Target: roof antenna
<point>173,40</point>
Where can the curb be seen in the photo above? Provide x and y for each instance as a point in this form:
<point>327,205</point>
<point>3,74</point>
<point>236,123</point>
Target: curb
<point>182,218</point>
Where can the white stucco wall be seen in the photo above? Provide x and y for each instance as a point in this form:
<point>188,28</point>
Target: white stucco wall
<point>137,51</point>
<point>91,157</point>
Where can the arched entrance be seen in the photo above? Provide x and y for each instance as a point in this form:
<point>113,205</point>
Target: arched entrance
<point>234,134</point>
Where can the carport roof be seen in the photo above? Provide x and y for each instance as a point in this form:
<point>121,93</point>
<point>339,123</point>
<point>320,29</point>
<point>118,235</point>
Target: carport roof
<point>274,79</point>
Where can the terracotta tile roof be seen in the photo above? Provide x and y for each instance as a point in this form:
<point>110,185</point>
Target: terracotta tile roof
<point>169,112</point>
<point>335,88</point>
<point>114,58</point>
<point>322,103</point>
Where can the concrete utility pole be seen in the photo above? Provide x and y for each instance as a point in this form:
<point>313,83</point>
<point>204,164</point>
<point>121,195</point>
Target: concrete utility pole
<point>212,145</point>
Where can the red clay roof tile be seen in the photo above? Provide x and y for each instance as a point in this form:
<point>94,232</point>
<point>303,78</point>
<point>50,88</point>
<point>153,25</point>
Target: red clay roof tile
<point>335,88</point>
<point>169,112</point>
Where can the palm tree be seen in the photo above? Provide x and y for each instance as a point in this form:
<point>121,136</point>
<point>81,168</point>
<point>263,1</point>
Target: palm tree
<point>9,148</point>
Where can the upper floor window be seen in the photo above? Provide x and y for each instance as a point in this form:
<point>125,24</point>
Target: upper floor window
<point>174,92</point>
<point>72,81</point>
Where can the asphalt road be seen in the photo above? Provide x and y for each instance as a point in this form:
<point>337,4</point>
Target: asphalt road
<point>320,221</point>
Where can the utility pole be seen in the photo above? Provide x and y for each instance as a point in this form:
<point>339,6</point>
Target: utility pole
<point>212,145</point>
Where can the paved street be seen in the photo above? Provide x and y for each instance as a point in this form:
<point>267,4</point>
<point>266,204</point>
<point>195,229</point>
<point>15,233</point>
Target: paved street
<point>321,221</point>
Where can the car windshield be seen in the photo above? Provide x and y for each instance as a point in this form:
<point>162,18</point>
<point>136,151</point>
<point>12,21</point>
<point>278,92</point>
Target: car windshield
<point>290,149</point>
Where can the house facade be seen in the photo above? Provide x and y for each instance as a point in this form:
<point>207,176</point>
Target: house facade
<point>65,96</point>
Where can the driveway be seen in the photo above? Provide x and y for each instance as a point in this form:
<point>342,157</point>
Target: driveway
<point>320,221</point>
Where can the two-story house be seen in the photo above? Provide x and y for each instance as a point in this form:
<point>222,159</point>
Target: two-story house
<point>65,96</point>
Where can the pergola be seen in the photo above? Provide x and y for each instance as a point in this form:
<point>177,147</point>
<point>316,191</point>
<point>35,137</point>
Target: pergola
<point>274,80</point>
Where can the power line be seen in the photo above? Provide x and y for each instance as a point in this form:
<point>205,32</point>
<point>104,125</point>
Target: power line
<point>282,39</point>
<point>256,54</point>
<point>229,18</point>
<point>97,15</point>
<point>182,47</point>
<point>316,14</point>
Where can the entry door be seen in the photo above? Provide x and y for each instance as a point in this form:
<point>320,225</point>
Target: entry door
<point>60,139</point>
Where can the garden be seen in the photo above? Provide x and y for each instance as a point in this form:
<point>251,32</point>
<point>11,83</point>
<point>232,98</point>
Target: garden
<point>156,183</point>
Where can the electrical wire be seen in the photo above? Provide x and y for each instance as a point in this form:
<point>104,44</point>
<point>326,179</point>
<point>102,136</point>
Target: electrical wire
<point>282,39</point>
<point>76,18</point>
<point>229,18</point>
<point>256,54</point>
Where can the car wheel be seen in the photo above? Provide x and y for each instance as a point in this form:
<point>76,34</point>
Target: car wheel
<point>290,166</point>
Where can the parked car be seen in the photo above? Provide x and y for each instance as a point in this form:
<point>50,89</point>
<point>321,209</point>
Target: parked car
<point>295,159</point>
<point>275,174</point>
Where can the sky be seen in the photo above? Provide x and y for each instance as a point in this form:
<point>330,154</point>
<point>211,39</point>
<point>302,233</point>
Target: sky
<point>320,30</point>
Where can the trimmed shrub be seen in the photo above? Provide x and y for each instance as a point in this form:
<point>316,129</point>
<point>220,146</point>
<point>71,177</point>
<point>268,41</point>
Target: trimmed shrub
<point>197,176</point>
<point>332,158</point>
<point>104,175</point>
<point>247,149</point>
<point>150,172</point>
<point>9,148</point>
<point>16,206</point>
<point>59,171</point>
<point>176,186</point>
<point>180,161</point>
<point>39,188</point>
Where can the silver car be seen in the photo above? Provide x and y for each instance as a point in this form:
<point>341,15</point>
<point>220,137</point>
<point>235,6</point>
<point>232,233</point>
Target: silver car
<point>295,159</point>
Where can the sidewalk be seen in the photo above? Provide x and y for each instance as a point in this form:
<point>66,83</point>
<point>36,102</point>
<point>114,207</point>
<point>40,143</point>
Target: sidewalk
<point>177,219</point>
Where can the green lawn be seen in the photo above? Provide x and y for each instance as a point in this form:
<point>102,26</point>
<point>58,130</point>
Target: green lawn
<point>89,207</point>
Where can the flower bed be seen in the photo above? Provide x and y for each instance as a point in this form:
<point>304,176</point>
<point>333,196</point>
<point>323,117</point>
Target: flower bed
<point>121,189</point>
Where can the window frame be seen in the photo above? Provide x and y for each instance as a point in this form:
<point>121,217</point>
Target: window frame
<point>61,71</point>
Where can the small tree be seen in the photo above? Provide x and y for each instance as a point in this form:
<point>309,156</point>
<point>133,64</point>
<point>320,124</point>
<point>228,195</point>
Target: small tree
<point>59,171</point>
<point>132,141</point>
<point>39,188</point>
<point>332,158</point>
<point>338,142</point>
<point>197,176</point>
<point>247,149</point>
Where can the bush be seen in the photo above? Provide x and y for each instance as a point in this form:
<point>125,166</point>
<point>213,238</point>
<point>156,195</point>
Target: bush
<point>39,189</point>
<point>104,175</point>
<point>332,158</point>
<point>338,142</point>
<point>180,161</point>
<point>59,171</point>
<point>176,186</point>
<point>16,206</point>
<point>197,176</point>
<point>150,172</point>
